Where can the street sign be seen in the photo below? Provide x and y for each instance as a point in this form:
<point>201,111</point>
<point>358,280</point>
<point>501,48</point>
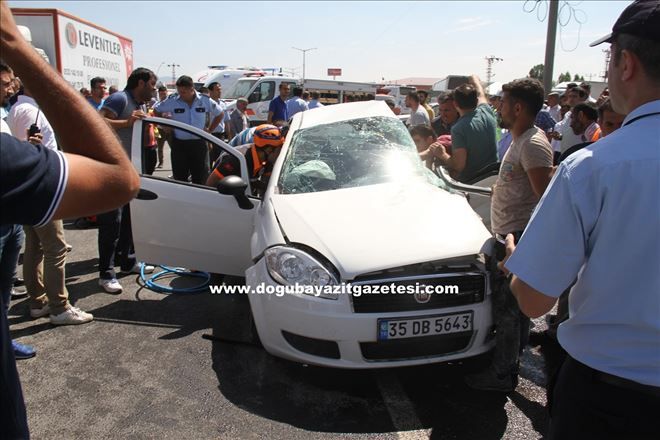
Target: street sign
<point>334,72</point>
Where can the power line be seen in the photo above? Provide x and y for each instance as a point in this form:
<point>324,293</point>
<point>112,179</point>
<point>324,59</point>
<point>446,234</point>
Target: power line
<point>562,13</point>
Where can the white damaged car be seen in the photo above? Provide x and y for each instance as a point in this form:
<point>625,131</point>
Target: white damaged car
<point>348,202</point>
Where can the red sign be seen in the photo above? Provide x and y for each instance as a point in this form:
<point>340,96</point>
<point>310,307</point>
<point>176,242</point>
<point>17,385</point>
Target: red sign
<point>334,72</point>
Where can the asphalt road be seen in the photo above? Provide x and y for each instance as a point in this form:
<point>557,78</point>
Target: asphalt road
<point>142,369</point>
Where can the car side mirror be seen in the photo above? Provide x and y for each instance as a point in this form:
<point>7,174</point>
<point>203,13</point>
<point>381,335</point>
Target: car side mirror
<point>254,97</point>
<point>235,186</point>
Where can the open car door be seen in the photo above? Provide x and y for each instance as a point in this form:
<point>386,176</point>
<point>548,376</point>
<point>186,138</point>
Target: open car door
<point>182,224</point>
<point>478,189</point>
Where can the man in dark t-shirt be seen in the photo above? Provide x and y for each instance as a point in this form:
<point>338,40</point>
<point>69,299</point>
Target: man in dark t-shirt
<point>37,184</point>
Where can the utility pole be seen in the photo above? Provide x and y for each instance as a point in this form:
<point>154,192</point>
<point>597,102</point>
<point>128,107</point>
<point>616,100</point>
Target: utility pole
<point>550,45</point>
<point>489,67</point>
<point>173,66</point>
<point>304,52</point>
<point>608,54</point>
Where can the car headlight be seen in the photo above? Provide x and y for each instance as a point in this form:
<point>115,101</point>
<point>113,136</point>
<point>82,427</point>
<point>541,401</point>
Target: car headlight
<point>290,267</point>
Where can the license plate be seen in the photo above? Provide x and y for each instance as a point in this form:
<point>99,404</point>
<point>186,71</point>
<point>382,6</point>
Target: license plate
<point>424,326</point>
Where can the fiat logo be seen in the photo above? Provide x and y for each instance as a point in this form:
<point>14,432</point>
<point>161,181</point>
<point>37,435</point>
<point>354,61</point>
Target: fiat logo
<point>71,35</point>
<point>422,297</point>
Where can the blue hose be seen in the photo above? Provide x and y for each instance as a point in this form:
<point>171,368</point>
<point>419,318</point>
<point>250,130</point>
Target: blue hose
<point>151,284</point>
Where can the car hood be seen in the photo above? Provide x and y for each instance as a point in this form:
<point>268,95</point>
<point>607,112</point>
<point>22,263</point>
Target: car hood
<point>376,227</point>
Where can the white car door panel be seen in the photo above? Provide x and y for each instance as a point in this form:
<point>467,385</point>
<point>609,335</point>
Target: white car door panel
<point>181,224</point>
<point>478,193</point>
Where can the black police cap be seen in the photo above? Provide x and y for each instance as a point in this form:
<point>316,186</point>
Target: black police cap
<point>641,19</point>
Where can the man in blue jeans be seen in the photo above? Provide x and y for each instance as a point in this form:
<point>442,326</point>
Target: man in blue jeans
<point>11,240</point>
<point>115,239</point>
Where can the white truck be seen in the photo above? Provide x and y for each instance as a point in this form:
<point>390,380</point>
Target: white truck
<point>597,87</point>
<point>398,94</point>
<point>225,75</point>
<point>450,82</point>
<point>259,91</point>
<point>76,48</point>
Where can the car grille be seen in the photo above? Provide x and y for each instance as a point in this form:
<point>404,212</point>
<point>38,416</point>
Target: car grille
<point>471,289</point>
<point>410,348</point>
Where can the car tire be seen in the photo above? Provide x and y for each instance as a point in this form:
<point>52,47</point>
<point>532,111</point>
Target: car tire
<point>250,329</point>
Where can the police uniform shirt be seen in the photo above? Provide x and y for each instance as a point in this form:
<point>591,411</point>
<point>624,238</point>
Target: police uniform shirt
<point>202,111</point>
<point>225,120</point>
<point>599,222</point>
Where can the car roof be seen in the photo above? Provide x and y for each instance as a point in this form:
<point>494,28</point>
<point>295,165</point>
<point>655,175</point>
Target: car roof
<point>341,112</point>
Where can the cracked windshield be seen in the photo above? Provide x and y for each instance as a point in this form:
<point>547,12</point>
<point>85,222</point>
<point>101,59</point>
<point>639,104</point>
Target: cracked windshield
<point>352,153</point>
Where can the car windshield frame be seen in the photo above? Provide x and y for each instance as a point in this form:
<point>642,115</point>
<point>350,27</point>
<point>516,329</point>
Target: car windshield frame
<point>352,153</point>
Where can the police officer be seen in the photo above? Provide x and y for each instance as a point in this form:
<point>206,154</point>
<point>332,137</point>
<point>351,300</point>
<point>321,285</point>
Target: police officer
<point>215,93</point>
<point>190,154</point>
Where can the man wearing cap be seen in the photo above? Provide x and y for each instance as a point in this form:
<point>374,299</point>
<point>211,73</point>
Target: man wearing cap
<point>599,224</point>
<point>553,106</point>
<point>238,121</point>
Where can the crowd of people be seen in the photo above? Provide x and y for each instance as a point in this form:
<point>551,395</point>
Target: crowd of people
<point>574,211</point>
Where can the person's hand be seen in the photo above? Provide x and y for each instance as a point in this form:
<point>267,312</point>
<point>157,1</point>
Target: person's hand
<point>438,150</point>
<point>554,135</point>
<point>137,114</point>
<point>36,139</point>
<point>509,246</point>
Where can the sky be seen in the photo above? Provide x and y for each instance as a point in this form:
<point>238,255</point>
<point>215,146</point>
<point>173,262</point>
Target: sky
<point>371,41</point>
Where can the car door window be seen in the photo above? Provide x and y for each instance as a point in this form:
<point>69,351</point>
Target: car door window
<point>145,155</point>
<point>266,90</point>
<point>185,225</point>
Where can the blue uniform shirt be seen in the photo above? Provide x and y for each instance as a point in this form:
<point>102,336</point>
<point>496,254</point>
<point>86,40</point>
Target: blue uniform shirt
<point>295,105</point>
<point>314,103</point>
<point>221,126</point>
<point>599,222</point>
<point>278,107</point>
<point>244,137</point>
<point>200,114</point>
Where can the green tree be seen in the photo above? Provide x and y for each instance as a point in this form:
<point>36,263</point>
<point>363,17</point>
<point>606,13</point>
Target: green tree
<point>578,78</point>
<point>536,72</point>
<point>563,77</point>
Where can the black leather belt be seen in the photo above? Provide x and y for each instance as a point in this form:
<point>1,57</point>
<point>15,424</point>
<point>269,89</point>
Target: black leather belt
<point>616,381</point>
